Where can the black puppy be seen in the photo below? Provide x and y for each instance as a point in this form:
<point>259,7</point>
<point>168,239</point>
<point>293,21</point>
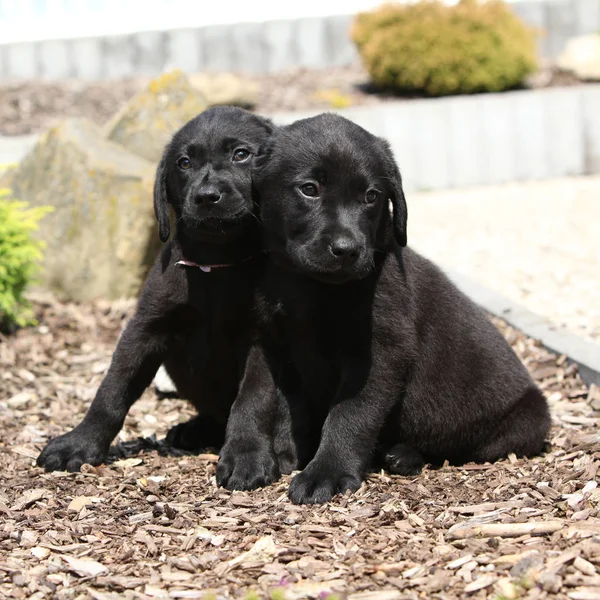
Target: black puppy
<point>371,346</point>
<point>196,310</point>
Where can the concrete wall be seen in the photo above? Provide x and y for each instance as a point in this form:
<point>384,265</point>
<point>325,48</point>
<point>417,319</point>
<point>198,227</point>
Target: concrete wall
<point>255,47</point>
<point>465,141</point>
<point>487,139</point>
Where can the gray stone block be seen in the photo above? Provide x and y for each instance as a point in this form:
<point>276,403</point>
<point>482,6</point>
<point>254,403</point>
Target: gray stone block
<point>534,14</point>
<point>56,59</point>
<point>531,136</point>
<point>371,120</point>
<point>217,48</point>
<point>184,50</point>
<point>562,25</point>
<point>587,16</point>
<point>591,128</point>
<point>465,151</point>
<point>87,56</point>
<point>398,129</point>
<point>563,114</point>
<point>249,54</point>
<point>311,43</point>
<point>3,62</point>
<point>280,46</point>
<point>498,130</point>
<point>150,52</point>
<point>23,61</point>
<point>430,143</point>
<point>341,51</point>
<point>119,56</point>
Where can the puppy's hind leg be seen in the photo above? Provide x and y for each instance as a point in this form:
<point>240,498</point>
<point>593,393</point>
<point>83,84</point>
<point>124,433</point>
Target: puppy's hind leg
<point>403,459</point>
<point>522,431</point>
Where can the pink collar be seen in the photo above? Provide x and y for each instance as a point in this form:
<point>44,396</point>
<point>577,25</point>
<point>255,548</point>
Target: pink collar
<point>207,268</point>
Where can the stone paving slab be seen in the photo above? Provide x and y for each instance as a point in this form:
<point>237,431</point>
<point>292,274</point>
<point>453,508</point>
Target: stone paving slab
<point>536,243</point>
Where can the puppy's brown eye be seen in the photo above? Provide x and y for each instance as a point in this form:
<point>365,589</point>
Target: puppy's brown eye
<point>310,190</point>
<point>241,155</point>
<point>184,163</point>
<point>371,196</point>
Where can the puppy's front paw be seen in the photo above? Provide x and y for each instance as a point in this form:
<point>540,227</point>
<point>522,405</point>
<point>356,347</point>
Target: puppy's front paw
<point>71,450</point>
<point>244,466</point>
<point>318,484</point>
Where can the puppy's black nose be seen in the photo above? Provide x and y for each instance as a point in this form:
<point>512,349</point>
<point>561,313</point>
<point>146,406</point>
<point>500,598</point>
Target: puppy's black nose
<point>208,194</point>
<point>345,248</point>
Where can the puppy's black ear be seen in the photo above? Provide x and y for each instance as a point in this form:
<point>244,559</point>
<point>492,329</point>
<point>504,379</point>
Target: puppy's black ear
<point>161,201</point>
<point>400,214</point>
<point>262,156</point>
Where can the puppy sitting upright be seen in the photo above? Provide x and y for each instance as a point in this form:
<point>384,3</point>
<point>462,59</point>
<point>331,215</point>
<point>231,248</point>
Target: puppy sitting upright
<point>195,313</point>
<point>376,347</point>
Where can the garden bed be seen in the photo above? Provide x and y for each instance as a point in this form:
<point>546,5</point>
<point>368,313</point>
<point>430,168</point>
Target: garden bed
<point>33,106</point>
<point>154,525</point>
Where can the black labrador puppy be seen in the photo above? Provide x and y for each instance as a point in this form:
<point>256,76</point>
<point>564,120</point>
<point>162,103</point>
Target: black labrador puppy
<point>196,311</point>
<point>372,348</point>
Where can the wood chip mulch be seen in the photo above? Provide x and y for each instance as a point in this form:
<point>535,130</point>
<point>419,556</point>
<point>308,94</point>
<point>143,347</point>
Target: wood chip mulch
<point>154,525</point>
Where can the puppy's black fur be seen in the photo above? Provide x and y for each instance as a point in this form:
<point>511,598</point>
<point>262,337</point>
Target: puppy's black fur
<point>372,348</point>
<point>200,324</point>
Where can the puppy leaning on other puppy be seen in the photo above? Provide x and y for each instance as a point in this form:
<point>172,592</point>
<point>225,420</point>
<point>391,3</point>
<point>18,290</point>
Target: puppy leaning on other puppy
<point>196,311</point>
<point>372,348</point>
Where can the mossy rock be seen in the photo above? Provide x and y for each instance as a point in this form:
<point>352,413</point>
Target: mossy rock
<point>101,237</point>
<point>226,88</point>
<point>147,122</point>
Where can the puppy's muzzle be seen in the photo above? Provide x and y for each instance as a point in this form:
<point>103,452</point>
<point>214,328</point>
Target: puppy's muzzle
<point>207,195</point>
<point>345,250</point>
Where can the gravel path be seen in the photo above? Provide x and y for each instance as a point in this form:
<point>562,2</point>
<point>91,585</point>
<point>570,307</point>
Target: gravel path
<point>154,525</point>
<point>537,243</point>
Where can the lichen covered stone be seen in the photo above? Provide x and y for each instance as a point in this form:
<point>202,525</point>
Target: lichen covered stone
<point>101,237</point>
<point>148,121</point>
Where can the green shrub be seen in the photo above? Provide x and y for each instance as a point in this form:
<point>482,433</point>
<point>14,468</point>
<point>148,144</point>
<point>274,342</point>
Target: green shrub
<point>19,255</point>
<point>430,47</point>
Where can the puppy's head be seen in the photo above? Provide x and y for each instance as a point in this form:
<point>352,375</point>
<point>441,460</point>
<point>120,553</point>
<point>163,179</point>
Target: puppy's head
<point>205,173</point>
<point>325,185</point>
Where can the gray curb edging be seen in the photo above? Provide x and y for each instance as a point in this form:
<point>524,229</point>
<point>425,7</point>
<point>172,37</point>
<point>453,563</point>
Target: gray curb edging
<point>586,355</point>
